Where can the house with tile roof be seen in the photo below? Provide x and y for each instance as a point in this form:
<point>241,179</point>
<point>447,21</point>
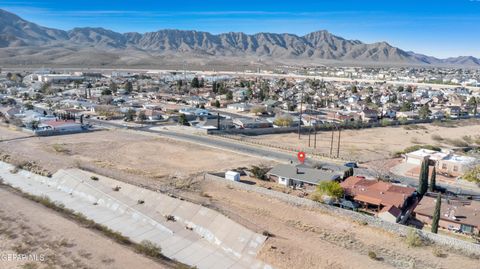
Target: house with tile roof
<point>386,200</point>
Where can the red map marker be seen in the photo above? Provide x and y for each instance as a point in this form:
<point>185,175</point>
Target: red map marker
<point>301,156</point>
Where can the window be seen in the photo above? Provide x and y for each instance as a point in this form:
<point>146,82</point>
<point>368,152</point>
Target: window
<point>466,228</point>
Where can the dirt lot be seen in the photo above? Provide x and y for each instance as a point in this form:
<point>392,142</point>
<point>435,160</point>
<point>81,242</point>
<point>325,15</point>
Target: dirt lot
<point>377,143</point>
<point>144,155</point>
<point>302,238</point>
<point>29,228</point>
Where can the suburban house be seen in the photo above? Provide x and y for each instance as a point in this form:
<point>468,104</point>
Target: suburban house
<point>240,107</point>
<point>418,156</point>
<point>153,114</point>
<point>300,176</point>
<point>445,162</point>
<point>453,111</point>
<point>455,215</point>
<point>369,115</point>
<point>251,123</point>
<point>58,127</point>
<point>386,200</point>
<point>454,165</point>
<point>409,115</point>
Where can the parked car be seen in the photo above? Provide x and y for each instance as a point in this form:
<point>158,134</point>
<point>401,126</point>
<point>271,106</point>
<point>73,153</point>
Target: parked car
<point>351,165</point>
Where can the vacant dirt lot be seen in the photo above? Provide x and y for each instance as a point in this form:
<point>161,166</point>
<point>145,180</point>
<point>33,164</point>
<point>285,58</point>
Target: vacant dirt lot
<point>29,228</point>
<point>378,143</point>
<point>145,155</point>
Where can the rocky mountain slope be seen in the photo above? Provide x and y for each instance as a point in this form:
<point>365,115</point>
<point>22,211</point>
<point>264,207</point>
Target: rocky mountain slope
<point>23,43</point>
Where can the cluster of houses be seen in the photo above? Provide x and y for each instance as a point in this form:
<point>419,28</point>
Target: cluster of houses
<point>388,201</point>
<point>454,76</point>
<point>245,101</point>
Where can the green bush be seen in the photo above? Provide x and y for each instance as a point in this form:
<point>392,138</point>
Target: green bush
<point>330,188</point>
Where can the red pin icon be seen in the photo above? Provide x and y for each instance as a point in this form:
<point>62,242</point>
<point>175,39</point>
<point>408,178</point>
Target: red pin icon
<point>301,156</point>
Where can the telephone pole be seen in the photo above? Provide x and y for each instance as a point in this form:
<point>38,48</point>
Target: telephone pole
<point>331,142</point>
<point>300,119</point>
<point>338,147</point>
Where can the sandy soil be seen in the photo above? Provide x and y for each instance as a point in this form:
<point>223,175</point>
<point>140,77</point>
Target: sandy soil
<point>29,228</point>
<point>376,143</point>
<point>10,133</point>
<point>132,153</point>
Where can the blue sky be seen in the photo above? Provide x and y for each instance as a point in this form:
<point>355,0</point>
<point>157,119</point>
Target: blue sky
<point>439,28</point>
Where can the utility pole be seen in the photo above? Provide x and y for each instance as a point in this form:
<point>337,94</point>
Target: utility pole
<point>315,137</point>
<point>301,109</point>
<point>331,142</point>
<point>309,134</point>
<point>338,147</point>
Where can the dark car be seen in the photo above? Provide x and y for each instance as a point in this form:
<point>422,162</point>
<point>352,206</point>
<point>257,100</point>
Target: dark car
<point>351,165</point>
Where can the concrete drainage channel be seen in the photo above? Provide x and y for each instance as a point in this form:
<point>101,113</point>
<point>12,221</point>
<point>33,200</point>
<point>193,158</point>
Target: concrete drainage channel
<point>197,236</point>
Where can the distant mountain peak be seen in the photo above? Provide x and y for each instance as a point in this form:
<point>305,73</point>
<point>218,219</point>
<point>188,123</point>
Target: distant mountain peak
<point>315,46</point>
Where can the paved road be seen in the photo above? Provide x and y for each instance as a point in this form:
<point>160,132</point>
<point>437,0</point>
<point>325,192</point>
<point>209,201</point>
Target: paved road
<point>267,153</point>
<point>207,141</point>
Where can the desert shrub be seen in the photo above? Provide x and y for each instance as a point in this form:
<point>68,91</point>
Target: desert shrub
<point>457,143</point>
<point>413,239</point>
<point>259,172</point>
<point>414,127</point>
<point>60,148</point>
<point>437,252</point>
<point>267,233</point>
<point>94,178</point>
<point>283,120</point>
<point>468,139</point>
<point>473,175</point>
<point>385,122</point>
<point>149,248</point>
<point>170,218</point>
<point>117,188</point>
<point>437,137</point>
<point>445,123</point>
<point>372,255</point>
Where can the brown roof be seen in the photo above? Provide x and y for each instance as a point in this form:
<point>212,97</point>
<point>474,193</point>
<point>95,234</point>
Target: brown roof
<point>392,210</point>
<point>57,123</point>
<point>376,192</point>
<point>463,212</point>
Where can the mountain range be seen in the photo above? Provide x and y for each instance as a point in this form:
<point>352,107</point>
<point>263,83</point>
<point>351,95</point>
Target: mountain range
<point>26,43</point>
